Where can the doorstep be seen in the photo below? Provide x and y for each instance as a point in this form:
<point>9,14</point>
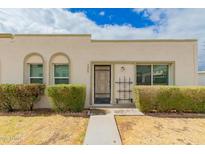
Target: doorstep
<point>116,111</point>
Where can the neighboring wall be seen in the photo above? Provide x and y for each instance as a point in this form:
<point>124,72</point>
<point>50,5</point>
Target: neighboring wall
<point>201,78</point>
<point>81,51</point>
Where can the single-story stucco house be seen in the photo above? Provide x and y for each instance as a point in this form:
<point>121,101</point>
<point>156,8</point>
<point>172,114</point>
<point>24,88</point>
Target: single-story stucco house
<point>109,68</point>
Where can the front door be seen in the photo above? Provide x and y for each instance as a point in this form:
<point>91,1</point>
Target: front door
<point>102,84</point>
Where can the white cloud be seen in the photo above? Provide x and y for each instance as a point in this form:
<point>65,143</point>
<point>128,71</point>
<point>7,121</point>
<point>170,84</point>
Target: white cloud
<point>180,23</point>
<point>64,21</point>
<point>102,13</point>
<point>170,23</point>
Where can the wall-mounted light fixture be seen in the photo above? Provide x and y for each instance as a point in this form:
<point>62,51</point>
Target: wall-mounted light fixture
<point>122,69</point>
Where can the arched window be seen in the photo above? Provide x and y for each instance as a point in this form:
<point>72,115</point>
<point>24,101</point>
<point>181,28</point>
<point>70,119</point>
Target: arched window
<point>59,69</point>
<point>34,68</point>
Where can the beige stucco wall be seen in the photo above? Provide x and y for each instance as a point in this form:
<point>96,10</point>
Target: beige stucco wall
<point>84,52</point>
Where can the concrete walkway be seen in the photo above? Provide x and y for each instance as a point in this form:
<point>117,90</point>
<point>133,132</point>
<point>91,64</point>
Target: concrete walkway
<point>102,130</point>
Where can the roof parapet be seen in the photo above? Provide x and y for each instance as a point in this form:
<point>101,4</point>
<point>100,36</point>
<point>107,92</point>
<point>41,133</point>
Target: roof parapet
<point>9,35</point>
<point>88,35</point>
<point>146,40</point>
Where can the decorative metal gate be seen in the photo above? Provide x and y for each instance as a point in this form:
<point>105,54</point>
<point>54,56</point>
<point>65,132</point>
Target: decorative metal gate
<point>102,84</point>
<point>124,90</point>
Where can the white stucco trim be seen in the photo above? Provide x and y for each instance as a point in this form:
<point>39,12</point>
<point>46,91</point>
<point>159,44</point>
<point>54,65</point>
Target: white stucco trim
<point>27,61</point>
<point>59,62</point>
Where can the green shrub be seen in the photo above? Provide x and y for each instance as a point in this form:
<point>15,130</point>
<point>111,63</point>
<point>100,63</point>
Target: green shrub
<point>19,96</point>
<point>170,99</point>
<point>7,100</point>
<point>67,97</point>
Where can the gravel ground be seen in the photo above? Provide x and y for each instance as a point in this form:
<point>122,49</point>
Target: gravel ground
<point>161,129</point>
<point>42,129</point>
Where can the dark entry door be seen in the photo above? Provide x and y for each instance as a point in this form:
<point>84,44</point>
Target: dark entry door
<point>102,84</point>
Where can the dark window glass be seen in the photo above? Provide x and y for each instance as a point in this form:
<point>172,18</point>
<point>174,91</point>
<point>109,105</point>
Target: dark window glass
<point>143,74</point>
<point>36,80</point>
<point>36,70</point>
<point>61,81</point>
<point>36,73</point>
<point>61,73</point>
<point>160,74</point>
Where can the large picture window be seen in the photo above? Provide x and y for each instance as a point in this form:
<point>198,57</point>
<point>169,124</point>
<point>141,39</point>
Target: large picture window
<point>36,73</point>
<point>153,74</point>
<point>160,74</point>
<point>61,74</point>
<point>144,74</point>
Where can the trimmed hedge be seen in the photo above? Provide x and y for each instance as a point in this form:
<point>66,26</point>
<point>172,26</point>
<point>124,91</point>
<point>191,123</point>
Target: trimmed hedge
<point>67,97</point>
<point>19,96</point>
<point>170,99</point>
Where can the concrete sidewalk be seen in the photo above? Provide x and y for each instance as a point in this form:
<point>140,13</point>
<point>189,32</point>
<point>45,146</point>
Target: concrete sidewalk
<point>102,130</point>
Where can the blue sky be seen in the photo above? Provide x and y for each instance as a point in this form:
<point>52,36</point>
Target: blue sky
<point>111,23</point>
<point>115,17</point>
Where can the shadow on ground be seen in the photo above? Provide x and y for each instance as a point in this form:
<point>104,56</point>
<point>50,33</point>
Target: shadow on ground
<point>45,113</point>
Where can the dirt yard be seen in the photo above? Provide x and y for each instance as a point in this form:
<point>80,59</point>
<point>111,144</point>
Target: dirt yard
<point>161,130</point>
<point>42,129</point>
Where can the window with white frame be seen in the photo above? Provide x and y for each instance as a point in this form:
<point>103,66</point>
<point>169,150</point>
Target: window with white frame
<point>61,73</point>
<point>152,74</point>
<point>36,73</point>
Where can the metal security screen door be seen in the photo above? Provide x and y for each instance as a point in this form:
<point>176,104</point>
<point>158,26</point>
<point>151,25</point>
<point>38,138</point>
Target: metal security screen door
<point>102,84</point>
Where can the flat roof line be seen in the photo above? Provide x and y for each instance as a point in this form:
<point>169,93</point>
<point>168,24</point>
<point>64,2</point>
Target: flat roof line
<point>9,35</point>
<point>144,40</point>
<point>52,35</point>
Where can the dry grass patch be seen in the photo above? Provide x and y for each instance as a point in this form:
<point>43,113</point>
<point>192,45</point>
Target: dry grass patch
<point>161,130</point>
<point>42,129</point>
